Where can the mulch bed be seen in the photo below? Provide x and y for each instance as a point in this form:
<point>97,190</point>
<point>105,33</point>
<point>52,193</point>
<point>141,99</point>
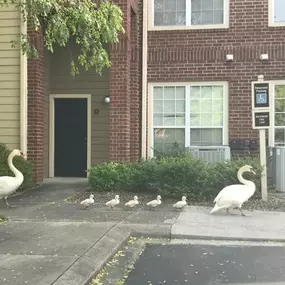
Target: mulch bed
<point>276,202</point>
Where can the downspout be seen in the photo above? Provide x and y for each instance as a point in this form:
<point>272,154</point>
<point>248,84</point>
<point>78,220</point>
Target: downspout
<point>144,79</point>
<point>23,94</point>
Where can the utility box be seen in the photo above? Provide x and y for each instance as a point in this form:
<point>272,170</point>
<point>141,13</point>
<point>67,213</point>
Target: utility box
<point>278,168</point>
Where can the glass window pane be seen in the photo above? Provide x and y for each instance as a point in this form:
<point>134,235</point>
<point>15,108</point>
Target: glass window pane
<point>279,11</point>
<point>169,12</point>
<point>217,119</point>
<point>218,4</point>
<point>180,93</point>
<point>280,119</point>
<point>279,91</point>
<point>207,17</point>
<point>196,18</point>
<point>181,5</point>
<point>169,92</point>
<point>218,92</point>
<point>194,119</point>
<point>195,92</point>
<point>158,19</point>
<point>169,120</point>
<point>158,5</point>
<point>180,119</point>
<point>164,139</point>
<point>207,4</point>
<point>158,106</point>
<point>218,17</point>
<point>206,137</point>
<point>206,119</point>
<point>170,18</point>
<point>157,92</point>
<point>206,92</point>
<point>217,105</point>
<point>157,119</point>
<point>170,5</point>
<point>207,12</point>
<point>195,106</point>
<point>279,105</point>
<point>206,106</point>
<point>280,137</point>
<point>180,106</point>
<point>169,106</point>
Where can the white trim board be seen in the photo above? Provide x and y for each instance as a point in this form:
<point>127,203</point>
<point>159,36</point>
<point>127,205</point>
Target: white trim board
<point>51,127</point>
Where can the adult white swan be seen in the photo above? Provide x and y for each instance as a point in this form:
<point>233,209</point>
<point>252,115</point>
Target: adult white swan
<point>233,196</point>
<point>9,184</point>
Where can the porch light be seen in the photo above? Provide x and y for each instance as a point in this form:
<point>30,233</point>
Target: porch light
<point>107,99</point>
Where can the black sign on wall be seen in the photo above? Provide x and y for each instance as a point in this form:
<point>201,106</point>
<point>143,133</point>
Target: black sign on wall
<point>261,95</point>
<point>262,119</point>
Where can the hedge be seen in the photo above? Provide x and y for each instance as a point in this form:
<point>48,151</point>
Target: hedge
<point>21,164</point>
<point>171,176</point>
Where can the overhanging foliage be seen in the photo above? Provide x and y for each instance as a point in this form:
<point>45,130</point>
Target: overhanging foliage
<point>91,25</point>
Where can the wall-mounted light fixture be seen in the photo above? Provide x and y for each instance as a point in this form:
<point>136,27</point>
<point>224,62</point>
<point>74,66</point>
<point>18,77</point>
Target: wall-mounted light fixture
<point>264,56</point>
<point>229,57</point>
<point>107,100</point>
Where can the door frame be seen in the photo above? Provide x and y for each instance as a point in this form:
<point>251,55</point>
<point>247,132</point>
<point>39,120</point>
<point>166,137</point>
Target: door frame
<point>52,97</point>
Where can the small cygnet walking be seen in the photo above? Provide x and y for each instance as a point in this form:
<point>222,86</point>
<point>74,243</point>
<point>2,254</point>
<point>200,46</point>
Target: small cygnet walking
<point>154,203</point>
<point>181,204</point>
<point>87,202</point>
<point>132,203</point>
<point>114,202</point>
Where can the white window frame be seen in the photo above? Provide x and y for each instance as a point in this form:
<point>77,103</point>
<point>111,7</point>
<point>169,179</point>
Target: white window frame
<point>271,132</point>
<point>187,85</point>
<point>152,27</point>
<point>271,8</point>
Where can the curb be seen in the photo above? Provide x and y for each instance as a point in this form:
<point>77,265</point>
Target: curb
<point>91,263</point>
<point>226,238</point>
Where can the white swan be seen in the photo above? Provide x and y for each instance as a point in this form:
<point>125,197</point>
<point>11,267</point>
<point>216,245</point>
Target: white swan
<point>87,202</point>
<point>154,203</point>
<point>132,203</point>
<point>181,204</point>
<point>234,196</point>
<point>112,203</point>
<point>9,184</point>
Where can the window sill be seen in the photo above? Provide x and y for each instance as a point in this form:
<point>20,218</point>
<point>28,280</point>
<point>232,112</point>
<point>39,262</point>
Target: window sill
<point>200,27</point>
<point>276,25</point>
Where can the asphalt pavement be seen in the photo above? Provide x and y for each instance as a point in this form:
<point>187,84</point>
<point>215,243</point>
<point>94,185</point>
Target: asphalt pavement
<point>202,264</point>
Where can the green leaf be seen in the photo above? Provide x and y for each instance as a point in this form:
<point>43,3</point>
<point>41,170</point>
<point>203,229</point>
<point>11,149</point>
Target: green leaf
<point>62,21</point>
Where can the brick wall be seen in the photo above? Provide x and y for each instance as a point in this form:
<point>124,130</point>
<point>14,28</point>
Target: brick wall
<point>124,90</point>
<point>199,55</point>
<point>36,109</point>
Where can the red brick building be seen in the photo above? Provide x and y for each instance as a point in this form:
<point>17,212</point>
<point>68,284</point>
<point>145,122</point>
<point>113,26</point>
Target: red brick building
<point>170,81</point>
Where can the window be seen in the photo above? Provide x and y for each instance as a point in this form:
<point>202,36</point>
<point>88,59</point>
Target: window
<point>276,13</point>
<point>190,115</point>
<point>179,14</point>
<point>279,115</point>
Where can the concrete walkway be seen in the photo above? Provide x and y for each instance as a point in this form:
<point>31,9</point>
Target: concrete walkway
<point>49,241</point>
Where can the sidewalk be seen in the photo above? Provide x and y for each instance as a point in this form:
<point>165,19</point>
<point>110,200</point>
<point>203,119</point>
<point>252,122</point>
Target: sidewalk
<point>49,241</point>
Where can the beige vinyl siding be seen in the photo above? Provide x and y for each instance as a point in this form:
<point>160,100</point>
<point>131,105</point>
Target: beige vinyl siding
<point>9,78</point>
<point>61,82</point>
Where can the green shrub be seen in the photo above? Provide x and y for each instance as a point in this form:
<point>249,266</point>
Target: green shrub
<point>171,176</point>
<point>21,164</point>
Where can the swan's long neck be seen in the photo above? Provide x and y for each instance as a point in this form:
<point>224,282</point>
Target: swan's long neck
<point>244,181</point>
<point>16,172</point>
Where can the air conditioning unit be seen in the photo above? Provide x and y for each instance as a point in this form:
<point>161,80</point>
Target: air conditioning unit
<point>278,168</point>
<point>210,154</point>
